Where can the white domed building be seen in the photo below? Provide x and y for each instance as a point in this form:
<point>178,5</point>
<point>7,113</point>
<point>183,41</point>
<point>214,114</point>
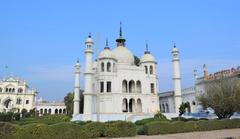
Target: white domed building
<point>116,88</point>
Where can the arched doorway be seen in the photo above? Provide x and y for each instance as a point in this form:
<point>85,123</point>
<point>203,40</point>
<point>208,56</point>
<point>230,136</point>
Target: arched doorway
<point>139,105</point>
<point>167,108</point>
<point>163,108</point>
<point>124,105</point>
<point>131,105</point>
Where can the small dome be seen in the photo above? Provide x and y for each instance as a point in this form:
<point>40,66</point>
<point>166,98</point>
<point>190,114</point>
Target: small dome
<point>106,53</point>
<point>123,55</point>
<point>89,39</point>
<point>147,57</point>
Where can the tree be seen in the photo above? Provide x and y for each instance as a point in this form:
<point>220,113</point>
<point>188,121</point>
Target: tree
<point>182,109</point>
<point>68,100</point>
<point>223,96</point>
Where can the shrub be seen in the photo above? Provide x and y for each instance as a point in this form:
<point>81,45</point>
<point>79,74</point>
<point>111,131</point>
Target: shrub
<point>49,119</point>
<point>94,129</point>
<point>140,130</point>
<point>145,121</point>
<point>119,129</point>
<point>160,116</point>
<point>16,116</point>
<point>6,129</point>
<point>161,127</point>
<point>82,123</point>
<point>33,131</point>
<point>67,130</point>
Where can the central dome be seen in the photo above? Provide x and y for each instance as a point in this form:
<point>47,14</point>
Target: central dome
<point>123,55</point>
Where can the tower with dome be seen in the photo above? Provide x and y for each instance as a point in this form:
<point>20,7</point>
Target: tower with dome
<point>116,86</point>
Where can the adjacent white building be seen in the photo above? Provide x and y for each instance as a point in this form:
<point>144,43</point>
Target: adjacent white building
<point>50,107</point>
<point>189,95</point>
<point>16,95</point>
<point>116,86</point>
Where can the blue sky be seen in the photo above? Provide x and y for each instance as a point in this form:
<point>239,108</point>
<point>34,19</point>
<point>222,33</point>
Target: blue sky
<point>41,40</point>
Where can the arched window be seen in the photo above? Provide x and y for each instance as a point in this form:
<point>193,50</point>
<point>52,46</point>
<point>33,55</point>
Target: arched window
<point>108,67</point>
<point>102,67</point>
<point>6,89</point>
<point>10,90</point>
<point>20,90</point>
<point>124,86</point>
<point>45,111</point>
<point>109,86</point>
<point>124,105</point>
<point>131,105</point>
<point>19,101</point>
<point>131,86</point>
<point>0,89</point>
<point>139,105</point>
<point>139,87</point>
<point>64,111</point>
<point>49,111</point>
<point>60,111</point>
<point>151,69</point>
<point>13,90</point>
<point>56,111</point>
<point>146,69</point>
<point>41,111</point>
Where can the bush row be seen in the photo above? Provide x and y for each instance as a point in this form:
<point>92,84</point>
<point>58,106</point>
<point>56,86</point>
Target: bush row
<point>69,130</point>
<point>10,116</point>
<point>48,119</point>
<point>167,127</point>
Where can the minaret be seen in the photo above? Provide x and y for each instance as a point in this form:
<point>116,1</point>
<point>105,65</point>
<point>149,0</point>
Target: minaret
<point>195,75</point>
<point>76,99</point>
<point>88,100</point>
<point>176,79</point>
<point>205,71</point>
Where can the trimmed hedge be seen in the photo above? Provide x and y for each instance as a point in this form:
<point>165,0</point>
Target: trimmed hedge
<point>6,117</point>
<point>95,129</point>
<point>120,129</point>
<point>67,130</point>
<point>48,119</point>
<point>166,127</point>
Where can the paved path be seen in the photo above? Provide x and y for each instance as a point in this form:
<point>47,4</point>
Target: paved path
<point>216,134</point>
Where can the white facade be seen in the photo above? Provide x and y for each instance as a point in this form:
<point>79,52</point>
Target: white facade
<point>116,88</point>
<point>167,101</point>
<point>190,95</point>
<point>50,108</point>
<point>16,95</point>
